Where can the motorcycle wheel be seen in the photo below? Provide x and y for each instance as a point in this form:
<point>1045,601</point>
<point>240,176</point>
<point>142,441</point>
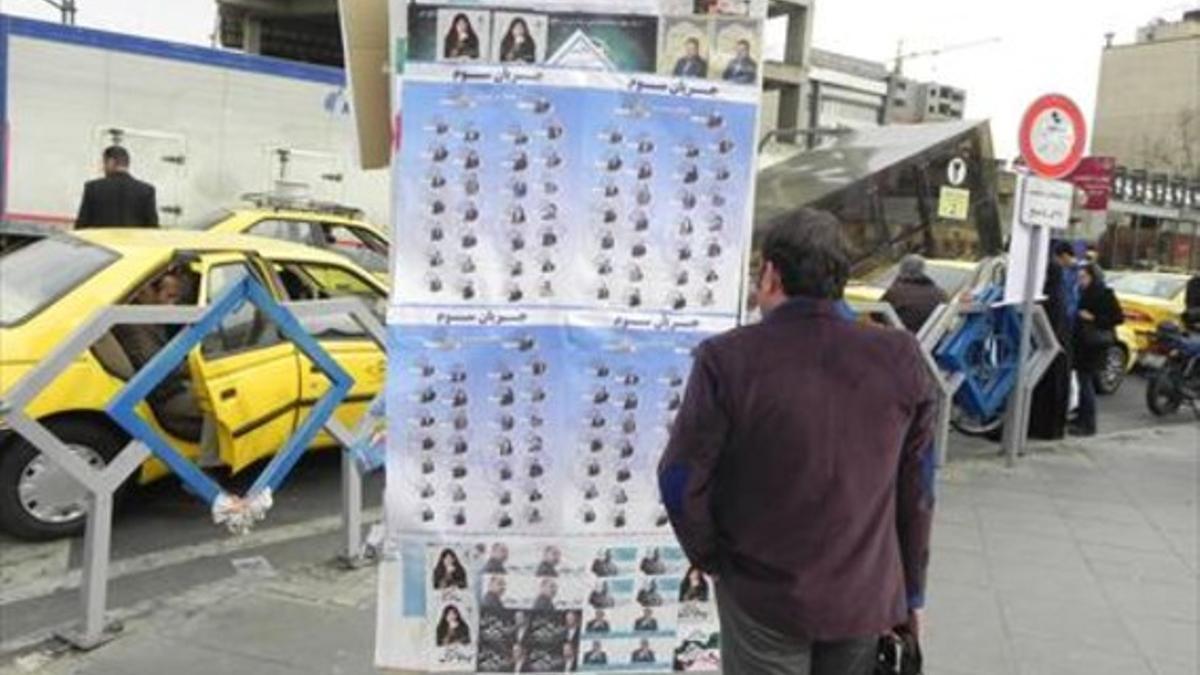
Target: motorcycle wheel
<point>1163,396</point>
<point>969,425</point>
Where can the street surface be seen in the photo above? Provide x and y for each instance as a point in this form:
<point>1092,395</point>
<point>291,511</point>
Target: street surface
<point>1082,559</point>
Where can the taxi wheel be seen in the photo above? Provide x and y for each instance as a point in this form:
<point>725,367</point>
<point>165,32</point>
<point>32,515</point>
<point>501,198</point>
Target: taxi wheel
<point>38,500</point>
<point>1113,374</point>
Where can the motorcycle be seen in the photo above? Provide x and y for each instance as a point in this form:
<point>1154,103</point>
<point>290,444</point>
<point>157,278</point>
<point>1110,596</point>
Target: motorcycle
<point>1177,381</point>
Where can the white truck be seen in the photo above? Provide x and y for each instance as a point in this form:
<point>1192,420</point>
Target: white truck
<point>205,126</point>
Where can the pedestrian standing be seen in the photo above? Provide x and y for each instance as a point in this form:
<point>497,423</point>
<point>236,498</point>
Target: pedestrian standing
<point>1064,256</point>
<point>118,199</point>
<point>913,294</point>
<point>1099,314</point>
<point>1051,399</point>
<point>1191,304</point>
<point>799,472</point>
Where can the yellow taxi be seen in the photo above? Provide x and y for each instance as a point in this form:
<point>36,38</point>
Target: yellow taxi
<point>332,228</point>
<point>1148,299</point>
<point>956,276</point>
<point>251,386</point>
<point>952,276</point>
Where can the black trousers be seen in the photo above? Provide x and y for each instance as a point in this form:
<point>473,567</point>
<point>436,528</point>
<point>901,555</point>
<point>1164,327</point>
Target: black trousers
<point>1087,400</point>
<point>750,648</point>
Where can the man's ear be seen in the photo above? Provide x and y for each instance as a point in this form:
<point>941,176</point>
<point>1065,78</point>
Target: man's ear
<point>770,275</point>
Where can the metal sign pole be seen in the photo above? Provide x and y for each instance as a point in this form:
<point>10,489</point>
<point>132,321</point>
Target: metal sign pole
<point>1017,422</point>
<point>351,510</point>
<point>94,590</point>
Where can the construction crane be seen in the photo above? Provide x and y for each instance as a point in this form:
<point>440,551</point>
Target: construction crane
<point>898,62</point>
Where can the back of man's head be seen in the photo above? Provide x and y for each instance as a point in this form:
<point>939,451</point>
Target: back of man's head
<point>116,157</point>
<point>808,251</point>
<point>912,266</point>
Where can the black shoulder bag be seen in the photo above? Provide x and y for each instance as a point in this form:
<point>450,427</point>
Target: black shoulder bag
<point>898,653</point>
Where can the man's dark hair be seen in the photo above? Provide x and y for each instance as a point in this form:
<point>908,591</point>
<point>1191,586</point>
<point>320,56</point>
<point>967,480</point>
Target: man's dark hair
<point>1062,248</point>
<point>809,252</point>
<point>692,41</point>
<point>117,154</point>
<point>744,43</point>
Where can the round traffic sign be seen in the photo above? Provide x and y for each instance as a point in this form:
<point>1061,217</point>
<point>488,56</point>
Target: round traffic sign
<point>1053,135</point>
<point>956,171</point>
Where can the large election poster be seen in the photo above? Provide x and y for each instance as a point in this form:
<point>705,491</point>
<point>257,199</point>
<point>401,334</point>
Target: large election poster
<point>573,189</point>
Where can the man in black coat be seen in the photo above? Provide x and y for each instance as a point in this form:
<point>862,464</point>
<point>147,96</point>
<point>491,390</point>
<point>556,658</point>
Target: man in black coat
<point>913,294</point>
<point>118,199</point>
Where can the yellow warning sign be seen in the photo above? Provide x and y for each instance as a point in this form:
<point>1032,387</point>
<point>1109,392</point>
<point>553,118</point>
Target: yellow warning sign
<point>954,203</point>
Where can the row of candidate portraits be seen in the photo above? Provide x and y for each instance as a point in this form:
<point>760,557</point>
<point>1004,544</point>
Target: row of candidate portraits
<point>449,573</point>
<point>692,47</point>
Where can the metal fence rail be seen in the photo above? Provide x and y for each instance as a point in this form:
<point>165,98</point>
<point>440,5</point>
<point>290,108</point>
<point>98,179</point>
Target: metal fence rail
<point>102,482</point>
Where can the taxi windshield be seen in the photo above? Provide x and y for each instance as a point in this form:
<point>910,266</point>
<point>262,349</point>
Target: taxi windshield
<point>35,275</point>
<point>1150,285</point>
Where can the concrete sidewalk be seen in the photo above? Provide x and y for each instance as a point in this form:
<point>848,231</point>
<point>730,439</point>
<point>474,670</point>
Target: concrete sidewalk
<point>1082,559</point>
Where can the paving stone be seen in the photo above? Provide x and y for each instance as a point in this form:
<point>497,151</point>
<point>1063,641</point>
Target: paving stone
<point>1167,641</point>
<point>1060,552</point>
<point>1117,535</point>
<point>1147,599</point>
<point>1082,624</point>
<point>1048,524</point>
<point>162,656</point>
<point>965,631</point>
<point>1066,584</point>
<point>948,535</point>
<point>951,565</point>
<point>1124,564</point>
<point>1043,656</point>
<point>274,629</point>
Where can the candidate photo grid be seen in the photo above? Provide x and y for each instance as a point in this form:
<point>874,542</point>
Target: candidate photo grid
<point>470,419</point>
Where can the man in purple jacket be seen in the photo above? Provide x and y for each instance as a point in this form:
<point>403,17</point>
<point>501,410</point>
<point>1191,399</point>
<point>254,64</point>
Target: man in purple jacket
<point>800,469</point>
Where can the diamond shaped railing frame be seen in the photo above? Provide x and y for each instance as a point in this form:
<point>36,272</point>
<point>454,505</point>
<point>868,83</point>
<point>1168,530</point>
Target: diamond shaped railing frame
<point>123,407</point>
<point>101,482</point>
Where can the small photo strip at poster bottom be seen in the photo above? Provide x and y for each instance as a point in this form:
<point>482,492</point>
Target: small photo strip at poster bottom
<point>451,609</point>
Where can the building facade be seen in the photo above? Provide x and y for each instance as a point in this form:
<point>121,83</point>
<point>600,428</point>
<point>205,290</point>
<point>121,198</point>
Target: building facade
<point>913,102</point>
<point>1148,102</point>
<point>299,30</point>
<point>846,91</point>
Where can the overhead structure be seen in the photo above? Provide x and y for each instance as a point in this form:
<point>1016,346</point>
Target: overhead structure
<point>884,185</point>
<point>299,30</point>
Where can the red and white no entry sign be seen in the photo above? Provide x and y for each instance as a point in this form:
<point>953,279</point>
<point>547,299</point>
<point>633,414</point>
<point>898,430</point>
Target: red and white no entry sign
<point>1053,135</point>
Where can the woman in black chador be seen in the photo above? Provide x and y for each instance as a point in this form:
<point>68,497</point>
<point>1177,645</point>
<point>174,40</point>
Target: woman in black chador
<point>449,572</point>
<point>517,44</point>
<point>461,42</point>
<point>451,630</point>
<point>1052,396</point>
